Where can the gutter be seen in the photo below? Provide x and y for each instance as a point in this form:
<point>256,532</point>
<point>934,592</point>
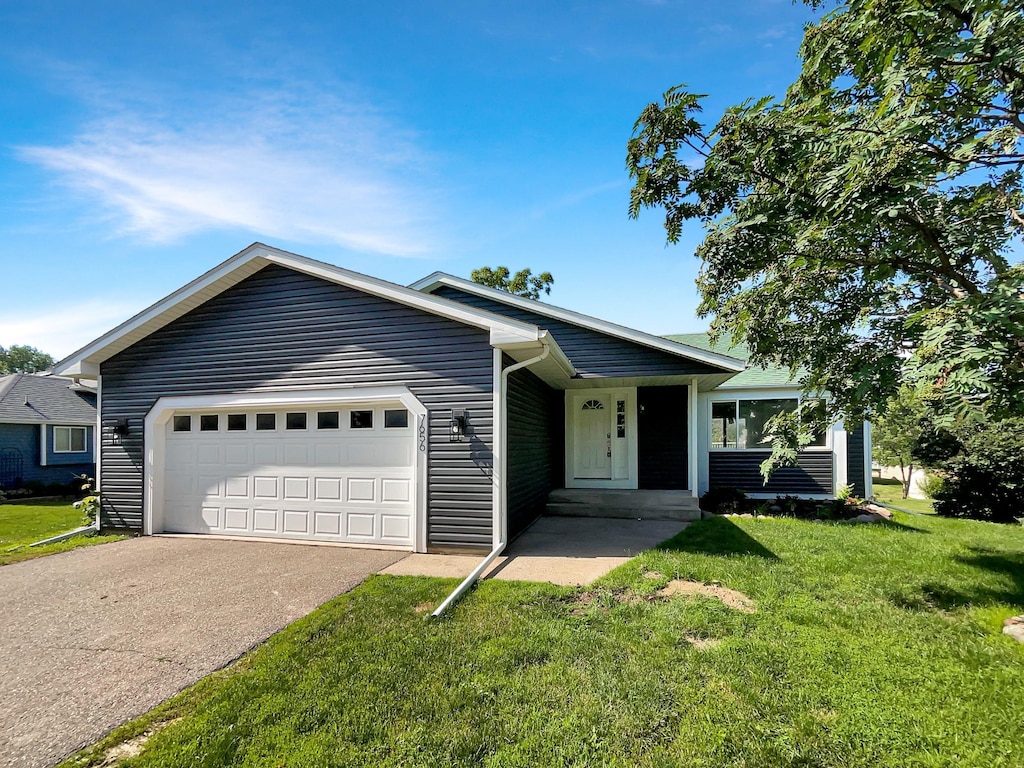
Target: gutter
<point>501,506</point>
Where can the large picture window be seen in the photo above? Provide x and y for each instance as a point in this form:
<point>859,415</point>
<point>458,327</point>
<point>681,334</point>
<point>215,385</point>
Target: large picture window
<point>69,439</point>
<point>740,423</point>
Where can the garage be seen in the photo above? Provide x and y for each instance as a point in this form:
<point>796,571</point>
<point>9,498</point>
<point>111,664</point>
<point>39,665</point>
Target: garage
<point>337,472</point>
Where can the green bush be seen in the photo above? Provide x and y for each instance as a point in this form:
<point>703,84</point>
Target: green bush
<point>719,500</point>
<point>985,479</point>
<point>932,484</point>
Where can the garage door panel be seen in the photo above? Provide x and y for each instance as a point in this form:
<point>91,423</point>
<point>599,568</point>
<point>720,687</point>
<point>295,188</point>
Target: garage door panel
<point>338,484</point>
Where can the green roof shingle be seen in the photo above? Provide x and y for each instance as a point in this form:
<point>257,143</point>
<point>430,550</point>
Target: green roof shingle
<point>772,376</point>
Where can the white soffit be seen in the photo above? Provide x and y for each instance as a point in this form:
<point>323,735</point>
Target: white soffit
<point>85,362</point>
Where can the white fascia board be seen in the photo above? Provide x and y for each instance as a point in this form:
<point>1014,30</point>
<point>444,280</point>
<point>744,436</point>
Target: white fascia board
<point>51,422</point>
<point>544,339</point>
<point>432,282</point>
<point>85,362</point>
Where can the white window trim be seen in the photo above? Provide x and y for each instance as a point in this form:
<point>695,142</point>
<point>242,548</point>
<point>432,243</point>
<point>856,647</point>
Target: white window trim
<point>85,440</point>
<point>159,418</point>
<point>737,397</point>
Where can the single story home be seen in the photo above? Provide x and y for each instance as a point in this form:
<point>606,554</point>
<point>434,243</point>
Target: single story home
<point>280,397</point>
<point>47,430</point>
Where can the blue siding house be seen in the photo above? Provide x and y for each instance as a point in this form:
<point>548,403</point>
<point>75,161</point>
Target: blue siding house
<point>278,397</point>
<point>47,430</point>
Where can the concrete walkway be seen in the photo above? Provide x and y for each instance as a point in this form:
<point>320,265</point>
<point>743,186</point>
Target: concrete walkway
<point>561,550</point>
<point>99,635</point>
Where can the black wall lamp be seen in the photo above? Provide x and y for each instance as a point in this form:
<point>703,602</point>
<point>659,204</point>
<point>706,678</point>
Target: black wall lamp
<point>120,430</point>
<point>457,426</point>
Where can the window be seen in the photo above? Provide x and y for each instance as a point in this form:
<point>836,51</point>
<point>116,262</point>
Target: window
<point>266,421</point>
<point>182,423</point>
<point>592,405</point>
<point>295,420</point>
<point>741,423</point>
<point>361,419</point>
<point>327,420</point>
<point>209,422</point>
<point>396,419</point>
<point>236,422</point>
<point>69,439</point>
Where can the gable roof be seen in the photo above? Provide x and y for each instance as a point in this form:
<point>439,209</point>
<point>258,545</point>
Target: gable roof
<point>41,399</point>
<point>515,336</point>
<point>753,376</point>
<point>662,343</point>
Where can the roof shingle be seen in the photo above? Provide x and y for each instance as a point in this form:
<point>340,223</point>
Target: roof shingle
<point>32,399</point>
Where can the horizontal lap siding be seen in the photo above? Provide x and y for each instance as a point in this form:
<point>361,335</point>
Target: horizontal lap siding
<point>741,469</point>
<point>536,424</point>
<point>280,329</point>
<point>855,461</point>
<point>594,354</point>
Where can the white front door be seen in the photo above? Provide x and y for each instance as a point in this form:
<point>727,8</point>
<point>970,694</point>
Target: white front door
<point>593,437</point>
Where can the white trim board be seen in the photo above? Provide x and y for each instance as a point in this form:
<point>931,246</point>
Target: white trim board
<point>85,362</point>
<point>159,417</point>
<point>432,282</point>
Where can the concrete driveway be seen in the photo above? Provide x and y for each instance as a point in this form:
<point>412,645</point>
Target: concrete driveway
<point>99,635</point>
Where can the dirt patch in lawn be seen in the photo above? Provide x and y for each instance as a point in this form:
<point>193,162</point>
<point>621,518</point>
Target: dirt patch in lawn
<point>133,747</point>
<point>730,597</point>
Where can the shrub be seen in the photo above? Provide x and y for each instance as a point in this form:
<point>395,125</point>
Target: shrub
<point>932,484</point>
<point>722,499</point>
<point>985,480</point>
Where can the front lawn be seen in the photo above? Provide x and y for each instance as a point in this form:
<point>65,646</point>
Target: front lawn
<point>871,645</point>
<point>27,522</point>
<point>890,493</point>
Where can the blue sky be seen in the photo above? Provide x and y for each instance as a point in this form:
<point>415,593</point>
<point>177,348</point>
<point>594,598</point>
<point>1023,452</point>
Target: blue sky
<point>143,143</point>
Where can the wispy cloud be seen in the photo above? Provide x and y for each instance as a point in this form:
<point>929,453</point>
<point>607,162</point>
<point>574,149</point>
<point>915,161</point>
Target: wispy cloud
<point>62,331</point>
<point>293,163</point>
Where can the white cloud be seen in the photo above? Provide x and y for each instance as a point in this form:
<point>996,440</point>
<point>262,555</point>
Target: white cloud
<point>63,331</point>
<point>293,163</point>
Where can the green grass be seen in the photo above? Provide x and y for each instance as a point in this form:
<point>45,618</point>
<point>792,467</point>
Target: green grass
<point>890,493</point>
<point>872,645</point>
<point>27,522</point>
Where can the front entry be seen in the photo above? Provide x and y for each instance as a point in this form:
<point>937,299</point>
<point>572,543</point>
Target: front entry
<point>600,438</point>
<point>662,446</point>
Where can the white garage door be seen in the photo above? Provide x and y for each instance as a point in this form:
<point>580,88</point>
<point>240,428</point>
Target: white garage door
<point>324,473</point>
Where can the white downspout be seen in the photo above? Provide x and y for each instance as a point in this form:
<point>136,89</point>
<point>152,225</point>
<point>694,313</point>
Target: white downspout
<point>502,490</point>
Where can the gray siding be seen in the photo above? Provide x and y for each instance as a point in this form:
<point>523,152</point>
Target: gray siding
<point>855,461</point>
<point>536,427</point>
<point>594,354</point>
<point>281,329</point>
<point>740,469</point>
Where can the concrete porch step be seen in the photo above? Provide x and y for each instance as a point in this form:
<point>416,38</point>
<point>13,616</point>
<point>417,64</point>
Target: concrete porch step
<point>617,503</point>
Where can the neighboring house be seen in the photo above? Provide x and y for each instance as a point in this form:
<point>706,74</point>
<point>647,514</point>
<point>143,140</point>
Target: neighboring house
<point>47,430</point>
<point>278,396</point>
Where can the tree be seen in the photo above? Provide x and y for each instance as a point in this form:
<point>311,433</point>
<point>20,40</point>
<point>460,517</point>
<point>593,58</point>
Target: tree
<point>523,283</point>
<point>896,434</point>
<point>861,227</point>
<point>23,359</point>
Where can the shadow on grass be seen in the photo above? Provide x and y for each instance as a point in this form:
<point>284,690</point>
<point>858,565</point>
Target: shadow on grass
<point>945,597</point>
<point>716,536</point>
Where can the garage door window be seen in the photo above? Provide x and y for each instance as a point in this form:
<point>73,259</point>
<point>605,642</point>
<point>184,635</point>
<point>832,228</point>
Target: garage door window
<point>361,420</point>
<point>295,420</point>
<point>209,423</point>
<point>266,421</point>
<point>236,422</point>
<point>327,420</point>
<point>396,419</point>
<point>182,423</point>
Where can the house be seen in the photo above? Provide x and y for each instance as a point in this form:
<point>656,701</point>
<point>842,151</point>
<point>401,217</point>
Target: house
<point>281,397</point>
<point>47,430</point>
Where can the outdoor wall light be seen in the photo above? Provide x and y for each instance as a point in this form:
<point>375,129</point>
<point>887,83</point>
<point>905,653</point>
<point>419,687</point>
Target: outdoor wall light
<point>120,430</point>
<point>457,426</point>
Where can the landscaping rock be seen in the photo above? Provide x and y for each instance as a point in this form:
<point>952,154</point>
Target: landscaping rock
<point>869,517</point>
<point>878,510</point>
<point>1014,627</point>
